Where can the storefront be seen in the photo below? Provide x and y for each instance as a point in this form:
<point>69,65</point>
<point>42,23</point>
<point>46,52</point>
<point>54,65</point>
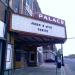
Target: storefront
<point>29,33</point>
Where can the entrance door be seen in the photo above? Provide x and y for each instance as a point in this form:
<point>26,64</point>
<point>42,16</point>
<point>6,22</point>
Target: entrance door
<point>23,59</point>
<point>32,58</point>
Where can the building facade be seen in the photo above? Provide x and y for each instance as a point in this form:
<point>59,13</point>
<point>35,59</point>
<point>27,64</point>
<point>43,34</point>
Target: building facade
<point>3,4</point>
<point>25,7</point>
<point>29,32</point>
<point>25,55</point>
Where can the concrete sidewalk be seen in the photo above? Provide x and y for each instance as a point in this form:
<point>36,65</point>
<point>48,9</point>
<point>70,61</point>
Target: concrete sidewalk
<point>48,65</point>
<point>41,70</point>
<point>67,70</point>
<point>59,71</point>
<point>44,69</point>
<point>63,72</point>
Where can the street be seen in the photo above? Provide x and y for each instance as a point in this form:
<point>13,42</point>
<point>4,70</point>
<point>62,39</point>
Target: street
<point>70,65</point>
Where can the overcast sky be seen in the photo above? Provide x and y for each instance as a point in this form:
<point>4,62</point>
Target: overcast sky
<point>64,9</point>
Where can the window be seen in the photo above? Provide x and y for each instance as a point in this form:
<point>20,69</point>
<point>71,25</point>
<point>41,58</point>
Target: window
<point>26,13</point>
<point>5,1</point>
<point>29,2</point>
<point>10,3</point>
<point>16,5</point>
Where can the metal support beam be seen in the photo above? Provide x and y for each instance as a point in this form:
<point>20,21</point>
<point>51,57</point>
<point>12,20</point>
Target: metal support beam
<point>3,57</point>
<point>62,55</point>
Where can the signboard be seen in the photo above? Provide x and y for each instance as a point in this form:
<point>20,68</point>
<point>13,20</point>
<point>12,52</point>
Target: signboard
<point>1,29</point>
<point>9,59</point>
<point>49,19</point>
<point>27,24</point>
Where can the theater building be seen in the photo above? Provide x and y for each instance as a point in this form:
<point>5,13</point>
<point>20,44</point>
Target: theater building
<point>29,32</point>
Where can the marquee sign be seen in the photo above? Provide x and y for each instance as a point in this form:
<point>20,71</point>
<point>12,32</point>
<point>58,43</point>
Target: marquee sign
<point>1,29</point>
<point>31,25</point>
<point>49,19</point>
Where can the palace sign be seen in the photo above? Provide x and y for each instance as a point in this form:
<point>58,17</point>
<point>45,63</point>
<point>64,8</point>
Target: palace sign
<point>49,19</point>
<point>31,25</point>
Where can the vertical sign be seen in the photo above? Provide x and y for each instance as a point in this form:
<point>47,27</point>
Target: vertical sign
<point>9,59</point>
<point>1,29</point>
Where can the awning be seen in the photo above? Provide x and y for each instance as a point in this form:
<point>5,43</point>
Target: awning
<point>37,40</point>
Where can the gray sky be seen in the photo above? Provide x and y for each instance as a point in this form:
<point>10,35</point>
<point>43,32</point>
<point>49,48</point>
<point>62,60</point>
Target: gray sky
<point>64,9</point>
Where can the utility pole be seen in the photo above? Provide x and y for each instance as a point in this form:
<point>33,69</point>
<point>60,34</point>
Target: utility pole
<point>62,55</point>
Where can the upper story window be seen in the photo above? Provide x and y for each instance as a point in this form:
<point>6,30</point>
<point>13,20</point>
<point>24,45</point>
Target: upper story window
<point>5,1</point>
<point>29,6</point>
<point>15,5</point>
<point>29,2</point>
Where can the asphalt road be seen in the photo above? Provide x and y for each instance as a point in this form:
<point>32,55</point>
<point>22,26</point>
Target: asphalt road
<point>71,64</point>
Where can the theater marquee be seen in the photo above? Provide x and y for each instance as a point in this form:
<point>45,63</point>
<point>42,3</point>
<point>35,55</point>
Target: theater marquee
<point>31,25</point>
<point>49,19</point>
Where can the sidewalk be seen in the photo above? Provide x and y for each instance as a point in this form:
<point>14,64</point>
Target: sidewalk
<point>56,71</point>
<point>67,70</point>
<point>63,72</point>
<point>44,69</point>
<point>48,65</point>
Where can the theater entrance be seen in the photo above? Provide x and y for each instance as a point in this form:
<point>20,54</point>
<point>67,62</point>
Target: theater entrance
<point>24,55</point>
